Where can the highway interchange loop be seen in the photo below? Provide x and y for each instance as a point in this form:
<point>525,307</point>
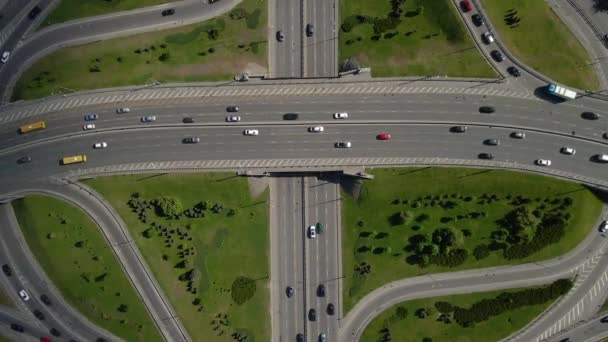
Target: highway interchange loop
<point>417,112</point>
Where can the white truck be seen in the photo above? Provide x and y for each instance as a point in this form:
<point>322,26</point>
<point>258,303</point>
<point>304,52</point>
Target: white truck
<point>560,91</point>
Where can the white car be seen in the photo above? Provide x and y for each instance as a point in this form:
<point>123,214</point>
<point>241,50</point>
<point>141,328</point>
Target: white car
<point>343,144</point>
<point>24,295</point>
<point>251,132</point>
<point>150,118</point>
<point>88,127</point>
<point>543,162</point>
<point>5,56</point>
<point>123,110</point>
<point>312,232</point>
<point>604,226</point>
<point>567,150</point>
<point>233,118</point>
<point>488,38</point>
<point>340,115</point>
<point>316,129</point>
<point>102,144</point>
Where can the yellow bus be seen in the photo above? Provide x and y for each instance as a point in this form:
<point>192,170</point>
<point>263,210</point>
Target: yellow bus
<point>32,127</point>
<point>81,158</point>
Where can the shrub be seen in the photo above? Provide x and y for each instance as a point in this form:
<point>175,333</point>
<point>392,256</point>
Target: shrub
<point>164,57</point>
<point>238,13</point>
<point>482,251</point>
<point>243,289</point>
<point>123,308</point>
<point>444,307</point>
<point>212,34</point>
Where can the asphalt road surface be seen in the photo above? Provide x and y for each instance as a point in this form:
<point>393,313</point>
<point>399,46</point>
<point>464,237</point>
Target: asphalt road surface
<point>31,329</point>
<point>288,234</point>
<point>321,40</point>
<point>286,56</point>
<point>323,258</point>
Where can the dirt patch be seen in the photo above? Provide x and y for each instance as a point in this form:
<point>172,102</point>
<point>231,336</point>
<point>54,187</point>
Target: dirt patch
<point>257,185</point>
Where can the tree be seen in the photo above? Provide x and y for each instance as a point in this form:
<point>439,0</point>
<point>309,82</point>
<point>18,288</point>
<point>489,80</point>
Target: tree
<point>447,237</point>
<point>123,308</point>
<point>167,206</point>
<point>522,224</point>
<point>444,307</point>
<point>213,34</point>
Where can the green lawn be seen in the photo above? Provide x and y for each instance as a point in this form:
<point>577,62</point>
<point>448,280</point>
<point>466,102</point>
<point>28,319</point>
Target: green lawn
<point>5,300</point>
<point>434,42</point>
<point>74,9</point>
<point>414,329</point>
<point>214,50</point>
<point>76,257</point>
<point>543,42</point>
<point>218,247</point>
<point>371,235</point>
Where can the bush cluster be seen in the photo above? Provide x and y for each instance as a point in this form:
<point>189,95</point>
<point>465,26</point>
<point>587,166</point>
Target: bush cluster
<point>487,308</point>
<point>243,289</point>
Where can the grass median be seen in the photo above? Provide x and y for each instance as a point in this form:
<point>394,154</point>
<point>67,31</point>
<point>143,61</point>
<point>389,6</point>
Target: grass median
<point>445,318</point>
<point>213,50</point>
<point>75,9</point>
<point>76,257</point>
<point>536,36</point>
<point>428,39</point>
<point>205,238</point>
<point>414,221</point>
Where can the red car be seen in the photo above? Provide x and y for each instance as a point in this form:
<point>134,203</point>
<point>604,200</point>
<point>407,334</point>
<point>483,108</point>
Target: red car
<point>45,339</point>
<point>383,136</point>
<point>466,5</point>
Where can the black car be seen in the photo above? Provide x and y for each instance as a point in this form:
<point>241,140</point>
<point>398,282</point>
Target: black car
<point>191,140</point>
<point>34,12</point>
<point>45,299</point>
<point>487,109</point>
<point>167,12</point>
<point>100,339</point>
<point>17,327</point>
<point>39,314</point>
<point>458,129</point>
<point>188,120</point>
<point>290,116</point>
<point>477,19</point>
<point>513,71</point>
<point>7,270</point>
<point>604,319</point>
<point>289,291</point>
<point>312,315</point>
<point>485,156</point>
<point>309,30</point>
<point>605,135</point>
<point>497,55</point>
<point>330,309</point>
<point>321,290</point>
<point>212,1</point>
<point>24,160</point>
<point>232,109</point>
<point>491,142</point>
<point>55,332</point>
<point>590,116</point>
<point>280,36</point>
<point>299,338</point>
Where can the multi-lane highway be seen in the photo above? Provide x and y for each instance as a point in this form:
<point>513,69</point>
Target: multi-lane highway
<point>309,42</point>
<point>419,121</point>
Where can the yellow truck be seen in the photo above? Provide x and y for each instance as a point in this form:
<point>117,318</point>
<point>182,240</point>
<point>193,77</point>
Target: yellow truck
<point>32,127</point>
<point>81,158</point>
